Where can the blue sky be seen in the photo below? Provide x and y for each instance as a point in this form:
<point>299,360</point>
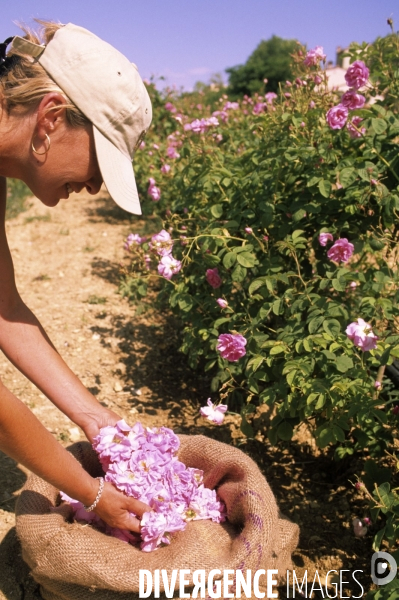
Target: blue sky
<point>189,40</point>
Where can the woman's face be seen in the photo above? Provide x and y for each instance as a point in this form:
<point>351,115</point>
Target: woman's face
<point>69,165</point>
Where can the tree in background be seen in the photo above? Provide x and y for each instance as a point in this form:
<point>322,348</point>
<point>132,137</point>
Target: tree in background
<point>271,60</point>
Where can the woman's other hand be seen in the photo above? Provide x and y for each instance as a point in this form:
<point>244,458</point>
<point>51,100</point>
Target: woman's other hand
<point>114,508</point>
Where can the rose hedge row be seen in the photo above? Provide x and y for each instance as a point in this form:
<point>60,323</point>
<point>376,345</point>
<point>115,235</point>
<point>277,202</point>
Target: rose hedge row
<point>249,190</point>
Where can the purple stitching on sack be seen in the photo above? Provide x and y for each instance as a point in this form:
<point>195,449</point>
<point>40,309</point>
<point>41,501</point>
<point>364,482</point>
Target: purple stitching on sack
<point>256,520</point>
<point>250,493</point>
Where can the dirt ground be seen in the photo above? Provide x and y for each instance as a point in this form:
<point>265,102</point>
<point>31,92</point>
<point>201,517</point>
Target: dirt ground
<point>67,269</point>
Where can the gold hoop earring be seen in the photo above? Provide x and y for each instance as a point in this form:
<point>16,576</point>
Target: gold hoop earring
<point>48,148</point>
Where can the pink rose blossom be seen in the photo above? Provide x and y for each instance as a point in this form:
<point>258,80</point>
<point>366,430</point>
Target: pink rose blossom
<point>357,75</point>
<point>171,152</point>
<point>337,116</point>
<point>353,284</point>
<point>317,79</point>
<point>362,335</point>
<point>312,104</point>
<point>153,191</point>
<point>258,108</point>
<point>170,107</point>
<point>168,266</point>
<point>213,412</point>
<point>165,168</point>
<point>373,182</point>
<point>324,238</point>
<point>231,106</point>
<point>162,243</point>
<point>353,127</point>
<point>352,100</point>
<point>314,56</point>
<point>266,238</point>
<point>248,230</point>
<point>341,251</point>
<point>270,96</point>
<point>377,384</point>
<point>222,303</point>
<point>213,277</point>
<point>231,346</point>
<point>358,528</point>
<point>132,238</point>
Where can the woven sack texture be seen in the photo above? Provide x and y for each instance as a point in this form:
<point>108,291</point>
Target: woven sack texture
<point>75,562</point>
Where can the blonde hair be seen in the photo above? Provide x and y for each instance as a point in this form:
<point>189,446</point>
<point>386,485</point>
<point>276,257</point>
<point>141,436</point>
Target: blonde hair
<point>25,83</point>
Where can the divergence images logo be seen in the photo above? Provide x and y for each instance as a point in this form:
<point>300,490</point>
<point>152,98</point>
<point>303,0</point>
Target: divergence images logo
<point>383,568</point>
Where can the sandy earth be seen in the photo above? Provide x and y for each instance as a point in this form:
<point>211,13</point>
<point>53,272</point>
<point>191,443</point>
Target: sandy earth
<point>67,270</point>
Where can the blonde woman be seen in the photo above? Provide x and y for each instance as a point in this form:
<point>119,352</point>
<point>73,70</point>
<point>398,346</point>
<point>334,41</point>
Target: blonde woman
<point>72,112</point>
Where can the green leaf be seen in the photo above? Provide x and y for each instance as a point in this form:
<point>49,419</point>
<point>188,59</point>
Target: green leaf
<point>378,539</point>
<point>217,210</point>
<point>185,302</point>
<point>276,350</point>
<point>246,259</point>
<point>339,284</point>
<point>347,176</point>
<point>379,125</point>
<point>325,188</point>
<point>278,307</point>
<point>344,363</point>
<point>229,259</point>
<point>325,437</point>
<point>285,431</point>
<point>239,273</point>
<point>315,324</point>
<point>339,434</point>
<point>254,363</point>
<point>332,326</point>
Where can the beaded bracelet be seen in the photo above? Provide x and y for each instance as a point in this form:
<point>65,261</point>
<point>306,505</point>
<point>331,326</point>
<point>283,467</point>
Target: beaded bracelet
<point>96,501</point>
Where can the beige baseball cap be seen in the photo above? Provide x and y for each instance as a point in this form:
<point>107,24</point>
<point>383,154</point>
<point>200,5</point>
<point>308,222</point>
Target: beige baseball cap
<point>108,90</point>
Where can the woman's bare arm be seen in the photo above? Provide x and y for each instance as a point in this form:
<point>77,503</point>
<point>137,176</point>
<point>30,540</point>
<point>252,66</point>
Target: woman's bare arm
<point>24,341</point>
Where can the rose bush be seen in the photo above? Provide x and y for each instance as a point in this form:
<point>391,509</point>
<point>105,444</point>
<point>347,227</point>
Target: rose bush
<point>297,218</point>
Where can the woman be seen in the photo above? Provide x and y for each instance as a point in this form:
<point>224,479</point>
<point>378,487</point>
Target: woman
<point>72,113</point>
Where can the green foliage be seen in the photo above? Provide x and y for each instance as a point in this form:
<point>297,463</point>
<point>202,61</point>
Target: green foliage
<point>250,197</point>
<point>271,59</point>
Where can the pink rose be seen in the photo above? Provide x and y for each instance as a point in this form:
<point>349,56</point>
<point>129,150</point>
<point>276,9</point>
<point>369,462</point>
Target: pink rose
<point>337,116</point>
<point>362,335</point>
<point>248,230</point>
<point>341,251</point>
<point>213,278</point>
<point>270,96</point>
<point>213,412</point>
<point>222,303</point>
<point>352,100</point>
<point>165,168</point>
<point>357,75</point>
<point>153,191</point>
<point>314,56</point>
<point>162,243</point>
<point>324,238</point>
<point>168,266</point>
<point>231,346</point>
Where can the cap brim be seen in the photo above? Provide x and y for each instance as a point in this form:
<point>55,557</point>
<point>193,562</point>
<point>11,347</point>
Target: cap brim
<point>117,172</point>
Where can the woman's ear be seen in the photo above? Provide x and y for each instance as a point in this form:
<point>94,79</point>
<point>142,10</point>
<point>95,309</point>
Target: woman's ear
<point>50,114</point>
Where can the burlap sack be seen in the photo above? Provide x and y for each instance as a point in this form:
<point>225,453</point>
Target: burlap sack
<point>76,562</point>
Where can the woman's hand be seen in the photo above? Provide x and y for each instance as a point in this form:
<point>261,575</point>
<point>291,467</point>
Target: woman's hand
<point>114,508</point>
<point>95,421</point>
